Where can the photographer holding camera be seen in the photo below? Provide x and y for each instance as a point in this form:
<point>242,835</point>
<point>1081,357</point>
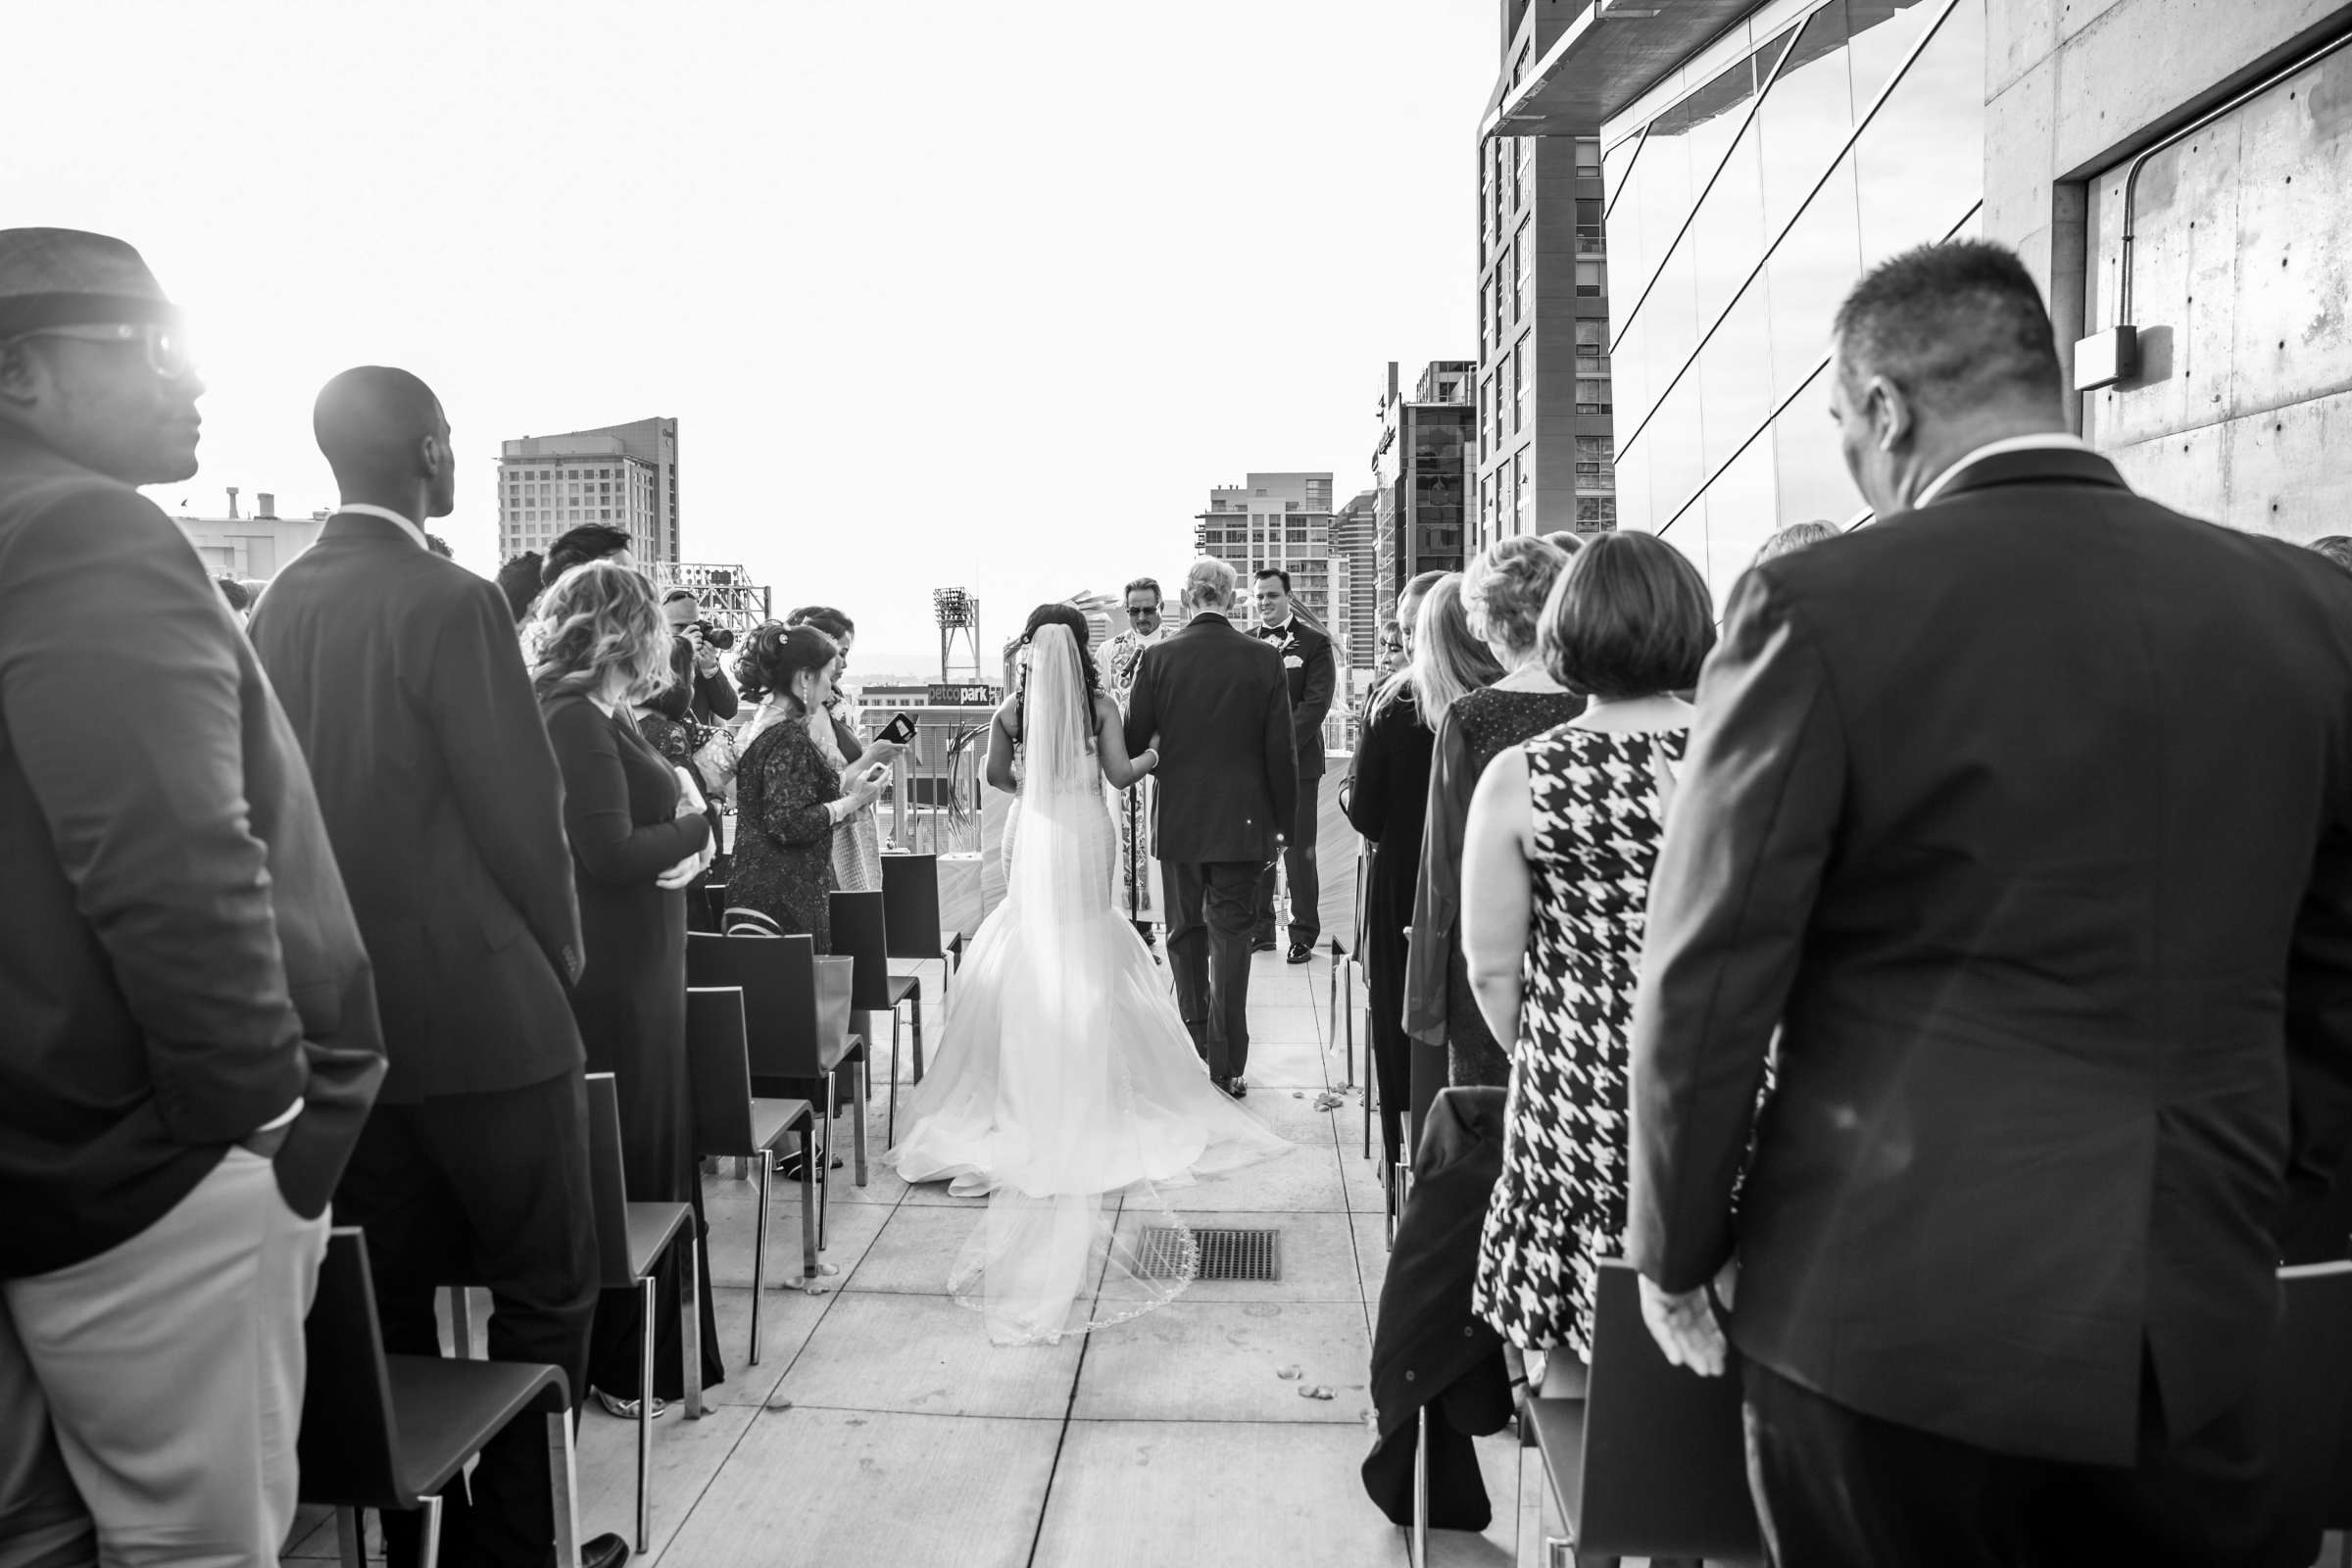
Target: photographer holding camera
<point>694,658</point>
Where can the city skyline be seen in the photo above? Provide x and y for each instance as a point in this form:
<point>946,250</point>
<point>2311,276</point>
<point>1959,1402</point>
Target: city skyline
<point>561,217</point>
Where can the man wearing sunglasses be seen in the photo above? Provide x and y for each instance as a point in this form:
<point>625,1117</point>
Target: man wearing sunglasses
<point>188,1033</point>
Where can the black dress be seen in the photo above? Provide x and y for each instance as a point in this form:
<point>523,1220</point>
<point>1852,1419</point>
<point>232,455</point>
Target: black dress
<point>1388,791</point>
<point>619,796</point>
<point>1440,1009</point>
<point>784,831</point>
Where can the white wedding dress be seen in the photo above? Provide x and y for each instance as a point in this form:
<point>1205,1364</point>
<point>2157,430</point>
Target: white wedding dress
<point>1065,1086</point>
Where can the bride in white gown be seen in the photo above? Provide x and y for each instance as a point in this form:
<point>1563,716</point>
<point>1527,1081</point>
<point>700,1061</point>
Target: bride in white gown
<point>1065,1086</point>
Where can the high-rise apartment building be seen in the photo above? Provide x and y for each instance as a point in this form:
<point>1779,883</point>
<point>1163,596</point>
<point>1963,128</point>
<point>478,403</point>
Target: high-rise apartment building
<point>625,475</point>
<point>1421,473</point>
<point>1545,441</point>
<point>1279,520</point>
<point>1354,541</point>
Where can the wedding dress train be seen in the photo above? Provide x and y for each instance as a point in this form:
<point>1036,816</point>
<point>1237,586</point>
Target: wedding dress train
<point>1065,1086</point>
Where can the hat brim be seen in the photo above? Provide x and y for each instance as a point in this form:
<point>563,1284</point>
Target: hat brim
<point>29,312</point>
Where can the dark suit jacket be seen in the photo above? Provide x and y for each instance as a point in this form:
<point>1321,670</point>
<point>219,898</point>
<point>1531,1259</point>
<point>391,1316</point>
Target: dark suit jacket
<point>442,795</point>
<point>1313,677</point>
<point>178,961</point>
<point>1215,700</point>
<point>2029,816</point>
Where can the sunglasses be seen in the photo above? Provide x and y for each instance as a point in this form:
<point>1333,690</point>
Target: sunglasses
<point>166,347</point>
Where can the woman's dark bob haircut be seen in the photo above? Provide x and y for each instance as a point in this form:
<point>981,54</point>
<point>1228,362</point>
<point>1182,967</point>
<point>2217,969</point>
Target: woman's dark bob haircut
<point>1630,618</point>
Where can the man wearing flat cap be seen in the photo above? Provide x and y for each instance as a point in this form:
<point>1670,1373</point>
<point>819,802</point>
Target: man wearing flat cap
<point>188,1033</point>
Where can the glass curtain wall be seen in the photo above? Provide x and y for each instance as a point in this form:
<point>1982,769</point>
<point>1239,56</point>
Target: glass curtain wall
<point>1738,215</point>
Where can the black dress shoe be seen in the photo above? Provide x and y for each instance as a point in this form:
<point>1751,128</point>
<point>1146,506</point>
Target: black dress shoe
<point>1224,1086</point>
<point>1237,1086</point>
<point>1263,945</point>
<point>606,1551</point>
<point>1300,952</point>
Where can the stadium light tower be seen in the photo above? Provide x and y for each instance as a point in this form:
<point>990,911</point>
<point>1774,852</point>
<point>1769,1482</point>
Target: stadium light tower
<point>958,615</point>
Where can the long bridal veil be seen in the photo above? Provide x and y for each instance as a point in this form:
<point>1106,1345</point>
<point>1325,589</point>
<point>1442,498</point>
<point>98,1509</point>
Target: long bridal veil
<point>1065,1086</point>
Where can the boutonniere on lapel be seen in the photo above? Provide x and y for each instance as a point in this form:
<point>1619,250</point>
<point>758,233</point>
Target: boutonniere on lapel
<point>1292,661</point>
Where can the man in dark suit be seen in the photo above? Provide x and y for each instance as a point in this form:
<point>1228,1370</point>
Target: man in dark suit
<point>446,808</point>
<point>1213,700</point>
<point>2026,814</point>
<point>1308,669</point>
<point>188,1038</point>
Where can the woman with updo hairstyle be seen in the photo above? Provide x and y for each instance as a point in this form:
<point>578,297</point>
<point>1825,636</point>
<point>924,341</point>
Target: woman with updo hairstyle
<point>1504,594</point>
<point>789,796</point>
<point>638,841</point>
<point>1557,855</point>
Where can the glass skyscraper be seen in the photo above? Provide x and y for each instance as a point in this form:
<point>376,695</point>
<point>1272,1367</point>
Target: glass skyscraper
<point>1745,194</point>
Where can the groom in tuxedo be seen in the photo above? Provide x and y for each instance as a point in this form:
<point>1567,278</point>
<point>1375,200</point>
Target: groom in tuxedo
<point>1216,704</point>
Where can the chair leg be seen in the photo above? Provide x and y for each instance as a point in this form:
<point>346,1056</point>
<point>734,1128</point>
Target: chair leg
<point>889,1124</point>
<point>350,1538</point>
<point>917,1033</point>
<point>811,1207</point>
<point>824,1171</point>
<point>460,1322</point>
<point>691,1331</point>
<point>429,1554</point>
<point>768,1171</point>
<point>1420,1547</point>
<point>564,1486</point>
<point>645,1410</point>
<point>857,1120</point>
<point>743,1167</point>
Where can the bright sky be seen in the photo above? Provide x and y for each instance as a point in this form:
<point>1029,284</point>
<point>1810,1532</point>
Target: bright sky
<point>940,293</point>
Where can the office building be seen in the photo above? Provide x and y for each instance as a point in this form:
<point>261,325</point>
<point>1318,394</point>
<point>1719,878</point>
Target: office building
<point>1758,157</point>
<point>1276,520</point>
<point>253,548</point>
<point>1354,543</point>
<point>1544,432</point>
<point>625,475</point>
<point>1422,471</point>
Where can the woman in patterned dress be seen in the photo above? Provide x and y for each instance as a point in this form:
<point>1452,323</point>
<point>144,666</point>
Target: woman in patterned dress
<point>789,796</point>
<point>1562,836</point>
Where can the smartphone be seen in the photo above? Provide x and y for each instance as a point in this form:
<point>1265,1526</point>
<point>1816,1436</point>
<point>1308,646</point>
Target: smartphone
<point>900,731</point>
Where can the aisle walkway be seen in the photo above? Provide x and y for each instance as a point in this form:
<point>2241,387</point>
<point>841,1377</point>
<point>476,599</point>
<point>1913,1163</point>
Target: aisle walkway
<point>882,1427</point>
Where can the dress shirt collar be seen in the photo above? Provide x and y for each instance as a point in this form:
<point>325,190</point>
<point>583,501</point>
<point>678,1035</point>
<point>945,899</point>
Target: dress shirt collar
<point>2042,441</point>
<point>1277,628</point>
<point>364,509</point>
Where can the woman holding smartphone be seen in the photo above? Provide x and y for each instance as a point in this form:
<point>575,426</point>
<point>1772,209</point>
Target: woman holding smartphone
<point>792,795</point>
<point>639,840</point>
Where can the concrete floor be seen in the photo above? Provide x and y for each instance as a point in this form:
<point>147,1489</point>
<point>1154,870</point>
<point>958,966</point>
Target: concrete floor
<point>882,1427</point>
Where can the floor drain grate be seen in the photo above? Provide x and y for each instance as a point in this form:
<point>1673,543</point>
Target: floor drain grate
<point>1225,1255</point>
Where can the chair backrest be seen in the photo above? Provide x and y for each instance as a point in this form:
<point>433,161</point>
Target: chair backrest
<point>1665,1458</point>
<point>738,921</point>
<point>911,904</point>
<point>607,1183</point>
<point>346,1446</point>
<point>859,932</point>
<point>718,1070</point>
<point>779,981</point>
<point>2309,1370</point>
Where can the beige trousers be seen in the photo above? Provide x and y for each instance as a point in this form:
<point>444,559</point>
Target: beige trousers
<point>150,1397</point>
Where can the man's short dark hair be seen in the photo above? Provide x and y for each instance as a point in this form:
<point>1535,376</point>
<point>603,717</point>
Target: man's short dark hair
<point>1630,618</point>
<point>519,579</point>
<point>1264,572</point>
<point>825,619</point>
<point>238,596</point>
<point>1143,585</point>
<point>590,541</point>
<point>439,547</point>
<point>1955,325</point>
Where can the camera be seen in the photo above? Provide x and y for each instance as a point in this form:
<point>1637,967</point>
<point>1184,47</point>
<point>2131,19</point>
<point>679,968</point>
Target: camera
<point>718,637</point>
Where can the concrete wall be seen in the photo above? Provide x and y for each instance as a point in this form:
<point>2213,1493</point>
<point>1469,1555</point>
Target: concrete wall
<point>2243,279</point>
